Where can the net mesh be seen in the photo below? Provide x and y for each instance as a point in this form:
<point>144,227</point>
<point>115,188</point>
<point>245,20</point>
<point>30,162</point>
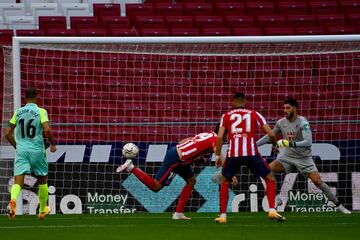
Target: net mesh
<point>101,96</point>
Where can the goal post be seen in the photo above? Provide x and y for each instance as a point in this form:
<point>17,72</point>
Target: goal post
<point>102,92</point>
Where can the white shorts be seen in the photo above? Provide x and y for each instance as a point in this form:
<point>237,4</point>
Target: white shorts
<point>302,165</point>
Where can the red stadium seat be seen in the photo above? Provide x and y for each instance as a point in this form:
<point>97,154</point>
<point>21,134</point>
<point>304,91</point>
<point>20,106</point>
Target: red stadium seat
<point>331,19</point>
<point>198,9</point>
<point>247,31</point>
<point>57,22</point>
<point>240,21</point>
<point>229,9</point>
<point>277,31</point>
<point>106,9</point>
<point>309,30</point>
<point>208,21</point>
<point>150,22</point>
<point>159,1</point>
<point>61,32</point>
<point>179,21</point>
<point>110,22</point>
<point>260,7</point>
<point>323,6</point>
<point>122,32</point>
<point>28,32</point>
<point>95,32</point>
<point>354,19</point>
<point>83,22</point>
<point>341,30</point>
<point>219,31</point>
<point>6,36</point>
<point>293,7</point>
<point>169,9</point>
<point>350,6</point>
<point>271,20</point>
<point>184,32</point>
<point>192,1</point>
<point>300,20</point>
<point>134,10</point>
<point>154,32</point>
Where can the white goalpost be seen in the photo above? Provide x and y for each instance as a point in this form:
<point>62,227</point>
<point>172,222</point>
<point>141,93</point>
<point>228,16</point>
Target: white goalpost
<point>103,92</point>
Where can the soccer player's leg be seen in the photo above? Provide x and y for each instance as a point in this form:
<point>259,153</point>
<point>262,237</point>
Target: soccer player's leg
<point>21,167</point>
<point>40,168</point>
<point>163,176</point>
<point>186,172</point>
<point>308,166</point>
<point>230,167</point>
<point>260,168</point>
<point>276,167</point>
<point>43,194</point>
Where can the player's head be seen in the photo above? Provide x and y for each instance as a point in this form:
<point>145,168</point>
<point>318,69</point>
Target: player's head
<point>290,108</point>
<point>239,100</point>
<point>30,95</point>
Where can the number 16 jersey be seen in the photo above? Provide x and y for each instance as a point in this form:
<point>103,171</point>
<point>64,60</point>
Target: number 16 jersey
<point>241,125</point>
<point>29,132</point>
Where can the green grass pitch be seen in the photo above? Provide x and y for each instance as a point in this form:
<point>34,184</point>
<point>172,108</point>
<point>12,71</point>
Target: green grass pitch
<point>146,226</point>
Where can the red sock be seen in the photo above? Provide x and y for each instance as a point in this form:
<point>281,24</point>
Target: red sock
<point>270,192</point>
<point>184,197</point>
<point>144,178</point>
<point>224,197</point>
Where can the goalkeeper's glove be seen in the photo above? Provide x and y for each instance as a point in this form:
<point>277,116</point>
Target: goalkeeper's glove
<point>283,143</point>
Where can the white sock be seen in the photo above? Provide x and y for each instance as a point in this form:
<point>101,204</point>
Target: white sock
<point>271,209</point>
<point>223,215</point>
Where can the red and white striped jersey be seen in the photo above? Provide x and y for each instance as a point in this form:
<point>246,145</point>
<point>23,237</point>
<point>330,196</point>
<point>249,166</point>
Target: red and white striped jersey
<point>197,146</point>
<point>241,125</point>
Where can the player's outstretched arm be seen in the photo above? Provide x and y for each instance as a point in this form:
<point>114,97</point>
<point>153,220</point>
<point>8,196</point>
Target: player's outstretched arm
<point>9,135</point>
<point>49,135</point>
<point>270,134</point>
<point>265,139</point>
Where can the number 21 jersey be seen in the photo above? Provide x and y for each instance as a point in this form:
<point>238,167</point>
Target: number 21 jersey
<point>241,125</point>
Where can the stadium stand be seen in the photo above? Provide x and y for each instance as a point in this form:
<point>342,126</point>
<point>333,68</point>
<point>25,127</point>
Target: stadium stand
<point>185,18</point>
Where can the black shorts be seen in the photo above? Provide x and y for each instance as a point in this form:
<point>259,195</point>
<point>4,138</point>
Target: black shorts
<point>256,164</point>
<point>171,166</point>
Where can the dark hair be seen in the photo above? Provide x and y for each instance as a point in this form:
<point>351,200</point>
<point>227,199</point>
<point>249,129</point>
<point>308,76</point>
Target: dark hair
<point>291,102</point>
<point>30,93</point>
<point>239,96</point>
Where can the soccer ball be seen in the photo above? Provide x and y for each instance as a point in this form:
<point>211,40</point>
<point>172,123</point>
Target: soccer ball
<point>130,151</point>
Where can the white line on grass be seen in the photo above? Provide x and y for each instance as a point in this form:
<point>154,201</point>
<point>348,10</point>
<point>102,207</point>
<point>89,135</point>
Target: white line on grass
<point>114,226</point>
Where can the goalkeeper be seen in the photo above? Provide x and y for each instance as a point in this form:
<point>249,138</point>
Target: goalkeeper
<point>297,141</point>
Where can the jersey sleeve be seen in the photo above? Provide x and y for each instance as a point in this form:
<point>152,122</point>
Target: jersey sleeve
<point>13,119</point>
<point>260,119</point>
<point>305,126</point>
<point>43,115</point>
<point>277,129</point>
<point>306,133</point>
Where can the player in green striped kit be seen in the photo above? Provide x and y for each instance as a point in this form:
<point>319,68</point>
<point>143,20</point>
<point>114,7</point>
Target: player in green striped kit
<point>30,121</point>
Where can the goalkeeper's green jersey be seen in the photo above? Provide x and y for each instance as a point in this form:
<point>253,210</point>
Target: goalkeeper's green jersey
<point>29,131</point>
